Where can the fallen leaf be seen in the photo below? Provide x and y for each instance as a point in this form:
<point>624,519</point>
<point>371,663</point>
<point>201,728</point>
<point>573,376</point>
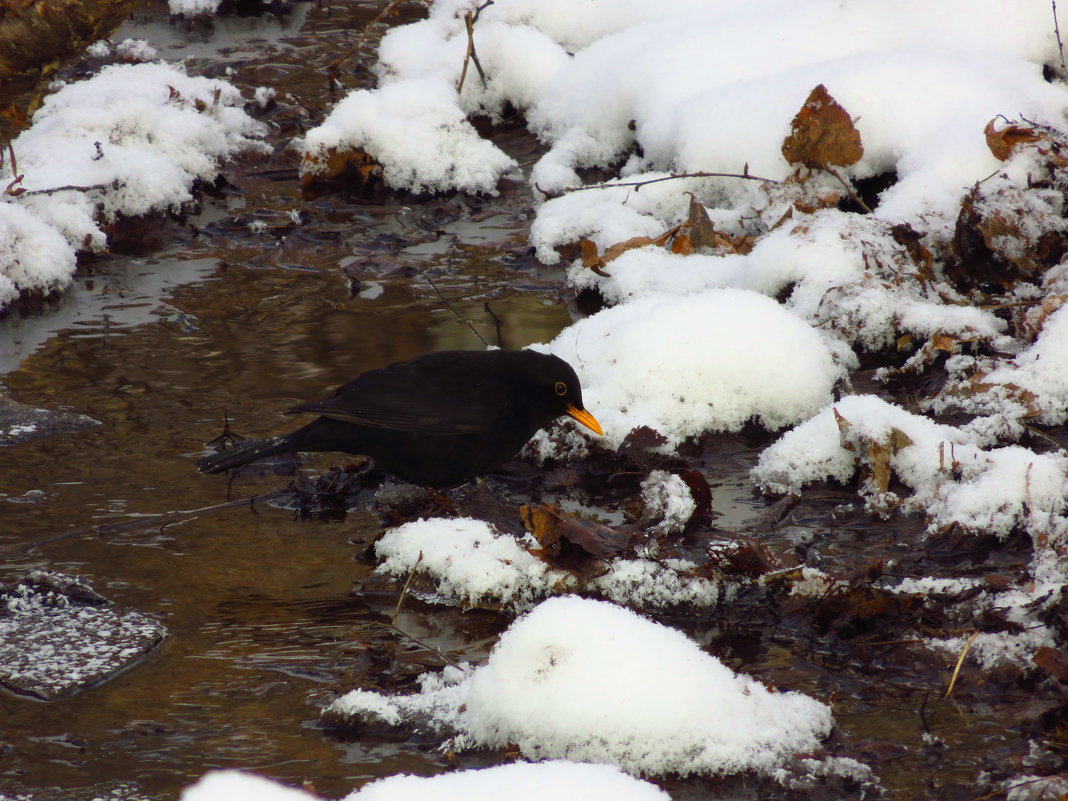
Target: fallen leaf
<point>591,259</point>
<point>1052,661</point>
<point>551,527</point>
<point>879,459</point>
<point>822,134</point>
<point>356,165</point>
<point>613,252</point>
<point>1003,142</point>
<point>702,232</point>
<point>683,244</point>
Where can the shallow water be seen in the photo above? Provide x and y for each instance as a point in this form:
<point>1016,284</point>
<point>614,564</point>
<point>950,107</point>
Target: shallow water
<point>208,319</point>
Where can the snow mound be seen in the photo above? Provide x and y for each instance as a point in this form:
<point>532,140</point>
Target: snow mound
<point>589,681</point>
<point>522,781</point>
<point>685,366</point>
<point>418,135</point>
<point>131,140</point>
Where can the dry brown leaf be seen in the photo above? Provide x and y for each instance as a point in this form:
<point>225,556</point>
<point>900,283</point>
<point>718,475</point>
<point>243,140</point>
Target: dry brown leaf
<point>879,459</point>
<point>550,526</point>
<point>683,244</point>
<point>1003,142</point>
<point>590,256</point>
<point>1052,661</point>
<point>945,343</point>
<point>906,236</point>
<point>591,259</point>
<point>619,248</point>
<point>18,119</point>
<point>702,232</point>
<point>355,164</point>
<point>822,134</point>
<point>897,440</point>
<point>843,426</point>
<point>1050,304</point>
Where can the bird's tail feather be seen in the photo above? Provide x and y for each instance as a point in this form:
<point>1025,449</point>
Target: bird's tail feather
<point>236,457</point>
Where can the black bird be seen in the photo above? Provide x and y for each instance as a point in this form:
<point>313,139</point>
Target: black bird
<point>436,419</point>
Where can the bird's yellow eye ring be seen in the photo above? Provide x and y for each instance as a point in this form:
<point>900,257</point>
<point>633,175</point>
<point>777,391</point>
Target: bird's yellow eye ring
<point>560,388</point>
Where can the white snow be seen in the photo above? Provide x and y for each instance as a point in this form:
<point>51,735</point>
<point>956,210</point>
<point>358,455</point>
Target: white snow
<point>691,83</point>
<point>667,499</point>
<point>417,133</point>
<point>193,8</point>
<point>129,141</point>
<point>589,681</point>
<point>235,785</point>
<point>711,361</point>
<point>953,480</point>
<point>766,329</point>
<point>521,781</point>
<point>472,564</point>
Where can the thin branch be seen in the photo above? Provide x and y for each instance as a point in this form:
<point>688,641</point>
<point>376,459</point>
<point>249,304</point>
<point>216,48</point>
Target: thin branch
<point>993,793</point>
<point>1057,30</point>
<point>450,307</point>
<point>744,175</point>
<point>960,661</point>
<point>1043,435</point>
<point>162,519</point>
<point>420,643</point>
<point>69,188</point>
<point>470,55</point>
<point>850,191</point>
<point>334,66</point>
<point>404,589</point>
<point>496,322</point>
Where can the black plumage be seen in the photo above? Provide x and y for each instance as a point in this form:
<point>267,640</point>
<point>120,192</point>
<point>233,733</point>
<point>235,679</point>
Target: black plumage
<point>436,419</point>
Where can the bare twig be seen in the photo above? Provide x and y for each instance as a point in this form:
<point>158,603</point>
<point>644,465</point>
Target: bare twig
<point>1057,30</point>
<point>1042,435</point>
<point>960,661</point>
<point>470,18</point>
<point>142,523</point>
<point>404,589</point>
<point>335,65</point>
<point>13,188</point>
<point>496,322</point>
<point>421,644</point>
<point>993,793</point>
<point>850,191</point>
<point>459,317</point>
<point>69,188</point>
<point>639,184</point>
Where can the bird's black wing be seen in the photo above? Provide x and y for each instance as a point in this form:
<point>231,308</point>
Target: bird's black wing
<point>400,398</point>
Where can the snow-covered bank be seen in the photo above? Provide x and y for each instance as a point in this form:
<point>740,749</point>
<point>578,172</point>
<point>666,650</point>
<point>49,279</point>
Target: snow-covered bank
<point>129,141</point>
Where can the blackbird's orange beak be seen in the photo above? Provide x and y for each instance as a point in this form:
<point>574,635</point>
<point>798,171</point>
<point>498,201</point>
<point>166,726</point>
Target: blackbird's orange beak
<point>585,418</point>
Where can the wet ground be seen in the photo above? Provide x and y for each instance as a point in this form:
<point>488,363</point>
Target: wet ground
<point>262,298</point>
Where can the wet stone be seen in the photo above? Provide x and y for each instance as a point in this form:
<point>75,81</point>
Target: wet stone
<point>59,636</point>
<point>21,423</point>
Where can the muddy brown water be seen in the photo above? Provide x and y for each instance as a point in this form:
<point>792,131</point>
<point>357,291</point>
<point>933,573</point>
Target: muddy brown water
<point>202,317</point>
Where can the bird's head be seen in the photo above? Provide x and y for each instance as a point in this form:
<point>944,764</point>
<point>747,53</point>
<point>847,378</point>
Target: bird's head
<point>558,389</point>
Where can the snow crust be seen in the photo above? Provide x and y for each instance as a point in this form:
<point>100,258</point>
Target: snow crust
<point>235,785</point>
<point>471,564</point>
<point>721,358</point>
<point>521,781</point>
<point>553,687</point>
<point>131,140</point>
